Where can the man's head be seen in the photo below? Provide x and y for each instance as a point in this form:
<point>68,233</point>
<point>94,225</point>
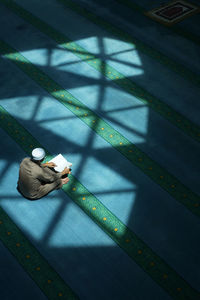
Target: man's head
<point>38,155</point>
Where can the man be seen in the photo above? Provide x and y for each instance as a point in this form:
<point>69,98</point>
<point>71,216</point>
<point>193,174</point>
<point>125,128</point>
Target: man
<point>36,179</point>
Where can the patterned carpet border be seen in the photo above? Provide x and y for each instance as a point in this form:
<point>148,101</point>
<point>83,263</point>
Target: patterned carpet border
<point>47,279</point>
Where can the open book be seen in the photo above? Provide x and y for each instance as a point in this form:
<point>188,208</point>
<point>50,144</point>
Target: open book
<point>61,163</point>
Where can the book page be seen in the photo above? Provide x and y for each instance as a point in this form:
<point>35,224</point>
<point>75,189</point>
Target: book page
<point>61,163</point>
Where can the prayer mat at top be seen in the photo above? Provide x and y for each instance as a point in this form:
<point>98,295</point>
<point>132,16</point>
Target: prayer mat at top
<point>173,12</point>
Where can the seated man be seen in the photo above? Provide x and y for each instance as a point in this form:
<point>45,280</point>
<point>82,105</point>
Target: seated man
<point>36,179</point>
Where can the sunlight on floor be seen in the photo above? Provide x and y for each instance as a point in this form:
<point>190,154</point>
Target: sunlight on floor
<point>93,159</point>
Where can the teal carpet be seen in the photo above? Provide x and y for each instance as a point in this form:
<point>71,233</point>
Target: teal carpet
<point>117,94</point>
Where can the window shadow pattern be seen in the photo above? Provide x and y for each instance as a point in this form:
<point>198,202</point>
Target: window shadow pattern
<point>145,210</point>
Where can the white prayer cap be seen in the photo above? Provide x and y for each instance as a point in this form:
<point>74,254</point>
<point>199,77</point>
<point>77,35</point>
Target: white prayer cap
<point>38,153</point>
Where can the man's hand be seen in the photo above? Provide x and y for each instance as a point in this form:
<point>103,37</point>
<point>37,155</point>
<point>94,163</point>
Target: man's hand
<point>65,180</point>
<point>66,171</point>
<point>49,164</point>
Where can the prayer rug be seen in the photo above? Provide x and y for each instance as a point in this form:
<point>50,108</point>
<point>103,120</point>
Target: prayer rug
<point>173,12</point>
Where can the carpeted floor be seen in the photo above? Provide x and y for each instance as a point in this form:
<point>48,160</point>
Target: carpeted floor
<point>117,94</point>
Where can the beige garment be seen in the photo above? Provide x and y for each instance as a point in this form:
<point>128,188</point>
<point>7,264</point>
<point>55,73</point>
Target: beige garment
<point>35,181</point>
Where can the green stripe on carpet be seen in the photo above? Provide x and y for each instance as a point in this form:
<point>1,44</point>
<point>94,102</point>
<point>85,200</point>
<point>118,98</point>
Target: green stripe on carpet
<point>149,167</point>
<point>175,28</point>
<point>47,279</point>
<point>177,119</point>
<point>144,256</point>
<point>141,46</point>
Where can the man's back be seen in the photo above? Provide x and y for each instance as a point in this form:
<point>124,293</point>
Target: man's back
<point>29,183</point>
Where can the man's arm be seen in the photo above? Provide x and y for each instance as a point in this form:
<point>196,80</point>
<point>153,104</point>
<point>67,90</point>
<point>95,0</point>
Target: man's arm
<point>49,164</point>
<point>47,175</point>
